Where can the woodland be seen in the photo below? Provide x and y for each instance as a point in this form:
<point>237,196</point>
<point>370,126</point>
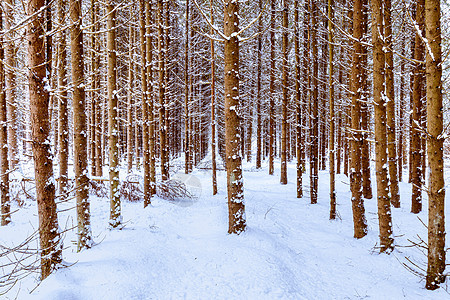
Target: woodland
<point>273,127</point>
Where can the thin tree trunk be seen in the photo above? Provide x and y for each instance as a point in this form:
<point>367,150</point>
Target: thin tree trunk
<point>359,218</point>
<point>416,140</point>
<point>113,128</point>
<point>4,164</point>
<point>151,97</point>
<point>130,95</point>
<point>285,37</point>
<point>79,129</point>
<point>10,76</point>
<point>384,207</point>
<point>314,133</point>
<point>298,97</point>
<point>435,144</point>
<point>332,113</point>
<point>213,108</point>
<point>258,96</point>
<point>40,133</point>
<point>272,90</point>
<point>235,184</point>
<point>390,107</point>
<point>187,148</point>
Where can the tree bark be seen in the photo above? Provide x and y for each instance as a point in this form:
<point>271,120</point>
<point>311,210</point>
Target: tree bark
<point>416,139</point>
<point>258,96</point>
<point>272,90</point>
<point>235,184</point>
<point>314,131</point>
<point>80,129</point>
<point>435,144</point>
<point>384,207</point>
<point>213,108</point>
<point>40,133</point>
<point>113,107</point>
<point>285,37</point>
<point>390,107</point>
<point>4,164</point>
<point>332,113</point>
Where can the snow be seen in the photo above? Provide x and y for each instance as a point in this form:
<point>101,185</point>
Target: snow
<point>181,249</point>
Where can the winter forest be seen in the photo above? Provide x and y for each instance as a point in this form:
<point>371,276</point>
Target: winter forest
<point>232,149</point>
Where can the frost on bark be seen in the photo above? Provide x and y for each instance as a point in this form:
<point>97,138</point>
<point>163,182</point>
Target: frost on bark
<point>314,130</point>
<point>162,94</point>
<point>435,144</point>
<point>130,96</point>
<point>187,147</point>
<point>384,205</point>
<point>259,150</point>
<point>10,76</point>
<point>390,107</point>
<point>332,113</point>
<point>4,164</point>
<point>298,95</point>
<point>63,126</point>
<point>144,101</point>
<point>235,184</point>
<point>80,154</point>
<point>113,107</point>
<point>359,218</point>
<point>213,108</point>
<point>417,95</point>
<point>284,106</point>
<point>272,91</point>
<point>150,96</point>
<point>40,134</point>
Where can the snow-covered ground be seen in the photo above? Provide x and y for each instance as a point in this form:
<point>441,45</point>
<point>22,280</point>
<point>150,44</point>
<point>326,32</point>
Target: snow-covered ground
<point>181,250</point>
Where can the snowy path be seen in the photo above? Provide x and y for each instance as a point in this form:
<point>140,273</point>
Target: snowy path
<point>290,250</point>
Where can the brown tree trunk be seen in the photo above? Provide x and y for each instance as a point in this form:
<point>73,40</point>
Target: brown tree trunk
<point>151,97</point>
<point>144,100</point>
<point>235,184</point>
<point>113,128</point>
<point>284,105</point>
<point>162,94</point>
<point>332,113</point>
<point>4,164</point>
<point>416,139</point>
<point>384,207</point>
<point>435,144</point>
<point>390,107</point>
<point>359,218</point>
<point>40,133</point>
<point>10,75</point>
<point>130,95</point>
<point>258,96</point>
<point>298,95</point>
<point>213,108</point>
<point>187,148</point>
<point>272,91</point>
<point>314,131</point>
<point>79,129</point>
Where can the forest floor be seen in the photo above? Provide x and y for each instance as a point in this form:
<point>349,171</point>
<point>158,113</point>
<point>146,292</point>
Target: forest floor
<point>181,249</point>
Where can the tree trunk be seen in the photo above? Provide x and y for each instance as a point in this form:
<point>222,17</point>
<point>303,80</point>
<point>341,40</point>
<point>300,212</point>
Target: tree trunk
<point>213,108</point>
<point>384,207</point>
<point>150,97</point>
<point>314,131</point>
<point>80,158</point>
<point>285,34</point>
<point>187,154</point>
<point>272,90</point>
<point>235,184</point>
<point>113,128</point>
<point>359,218</point>
<point>130,95</point>
<point>435,144</point>
<point>10,75</point>
<point>258,95</point>
<point>416,140</point>
<point>332,113</point>
<point>298,95</point>
<point>4,164</point>
<point>40,133</point>
<point>390,107</point>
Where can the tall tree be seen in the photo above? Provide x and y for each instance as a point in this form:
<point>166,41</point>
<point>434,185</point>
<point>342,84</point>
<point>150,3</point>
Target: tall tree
<point>417,95</point>
<point>314,130</point>
<point>359,218</point>
<point>284,106</point>
<point>213,107</point>
<point>235,184</point>
<point>272,90</point>
<point>80,128</point>
<point>130,93</point>
<point>384,205</point>
<point>40,133</point>
<point>113,107</point>
<point>63,124</point>
<point>332,113</point>
<point>435,144</point>
<point>4,164</point>
<point>258,95</point>
<point>390,107</point>
<point>298,98</point>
